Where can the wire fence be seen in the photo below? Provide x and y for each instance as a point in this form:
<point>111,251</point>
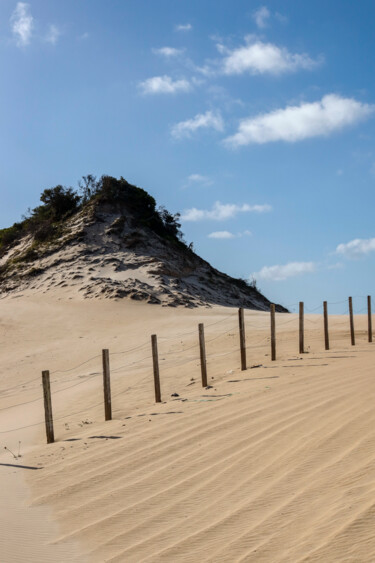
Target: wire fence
<point>188,350</point>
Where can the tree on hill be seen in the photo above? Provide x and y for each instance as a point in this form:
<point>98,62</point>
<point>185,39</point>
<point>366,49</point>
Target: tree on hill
<point>45,221</point>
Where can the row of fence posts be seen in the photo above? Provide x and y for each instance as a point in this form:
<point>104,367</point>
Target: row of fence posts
<point>203,359</point>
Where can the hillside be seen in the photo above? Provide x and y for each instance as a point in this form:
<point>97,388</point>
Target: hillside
<point>112,242</point>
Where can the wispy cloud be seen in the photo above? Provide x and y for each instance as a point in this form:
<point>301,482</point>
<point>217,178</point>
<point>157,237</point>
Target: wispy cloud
<point>257,57</point>
<point>228,235</point>
<point>335,266</point>
<point>198,179</point>
<point>164,85</point>
<point>208,120</point>
<point>221,95</point>
<point>168,52</point>
<point>184,27</point>
<point>222,211</point>
<point>283,272</point>
<point>356,248</point>
<point>221,235</point>
<point>261,17</point>
<point>296,123</point>
<point>53,34</point>
<point>22,24</point>
<point>281,18</point>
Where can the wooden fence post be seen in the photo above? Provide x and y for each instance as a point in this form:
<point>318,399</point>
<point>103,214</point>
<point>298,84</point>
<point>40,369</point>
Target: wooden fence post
<point>202,349</point>
<point>369,318</point>
<point>273,333</point>
<point>107,385</point>
<point>301,329</point>
<point>48,407</point>
<point>351,321</point>
<point>241,322</point>
<point>155,360</point>
<point>326,337</point>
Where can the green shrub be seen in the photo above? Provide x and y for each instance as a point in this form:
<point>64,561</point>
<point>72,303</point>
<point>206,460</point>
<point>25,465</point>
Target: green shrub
<point>58,202</point>
<point>44,222</point>
<point>10,235</point>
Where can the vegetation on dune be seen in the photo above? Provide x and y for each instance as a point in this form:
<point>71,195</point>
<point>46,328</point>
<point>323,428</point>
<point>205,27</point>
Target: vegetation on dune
<point>45,222</point>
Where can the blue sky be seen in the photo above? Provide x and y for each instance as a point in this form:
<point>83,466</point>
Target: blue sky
<point>254,120</point>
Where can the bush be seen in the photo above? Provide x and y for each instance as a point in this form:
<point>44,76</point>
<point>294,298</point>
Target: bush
<point>58,202</point>
<point>45,231</point>
<point>89,187</point>
<point>141,204</point>
<point>45,221</point>
<point>112,190</point>
<point>246,284</point>
<point>11,234</point>
<point>170,222</point>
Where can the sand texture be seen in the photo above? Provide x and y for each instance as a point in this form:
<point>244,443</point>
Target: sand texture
<point>104,251</point>
<point>272,464</point>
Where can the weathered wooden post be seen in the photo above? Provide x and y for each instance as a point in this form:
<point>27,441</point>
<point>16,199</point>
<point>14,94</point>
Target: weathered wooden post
<point>325,314</point>
<point>351,321</point>
<point>273,332</point>
<point>155,360</point>
<point>301,329</point>
<point>202,349</point>
<point>369,318</point>
<point>48,407</point>
<point>241,322</point>
<point>107,385</point>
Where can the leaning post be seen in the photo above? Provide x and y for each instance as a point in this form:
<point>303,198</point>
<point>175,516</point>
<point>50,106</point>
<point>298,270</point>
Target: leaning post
<point>48,407</point>
<point>155,360</point>
<point>202,350</point>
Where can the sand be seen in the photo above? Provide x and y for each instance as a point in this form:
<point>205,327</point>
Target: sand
<point>274,464</point>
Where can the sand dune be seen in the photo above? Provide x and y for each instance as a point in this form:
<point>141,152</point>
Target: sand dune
<point>276,463</point>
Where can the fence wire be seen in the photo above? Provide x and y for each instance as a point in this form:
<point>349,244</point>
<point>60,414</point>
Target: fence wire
<point>262,344</point>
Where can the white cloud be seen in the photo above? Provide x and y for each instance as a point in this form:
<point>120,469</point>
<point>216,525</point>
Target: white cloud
<point>84,36</point>
<point>220,211</point>
<point>221,235</point>
<point>257,57</point>
<point>199,179</point>
<point>22,23</point>
<point>261,16</point>
<point>279,273</point>
<point>53,34</point>
<point>356,248</point>
<point>184,27</point>
<point>208,120</point>
<point>168,51</point>
<point>228,235</point>
<point>296,123</point>
<point>164,85</point>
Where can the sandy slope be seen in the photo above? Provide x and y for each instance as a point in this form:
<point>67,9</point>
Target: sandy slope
<point>273,464</point>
